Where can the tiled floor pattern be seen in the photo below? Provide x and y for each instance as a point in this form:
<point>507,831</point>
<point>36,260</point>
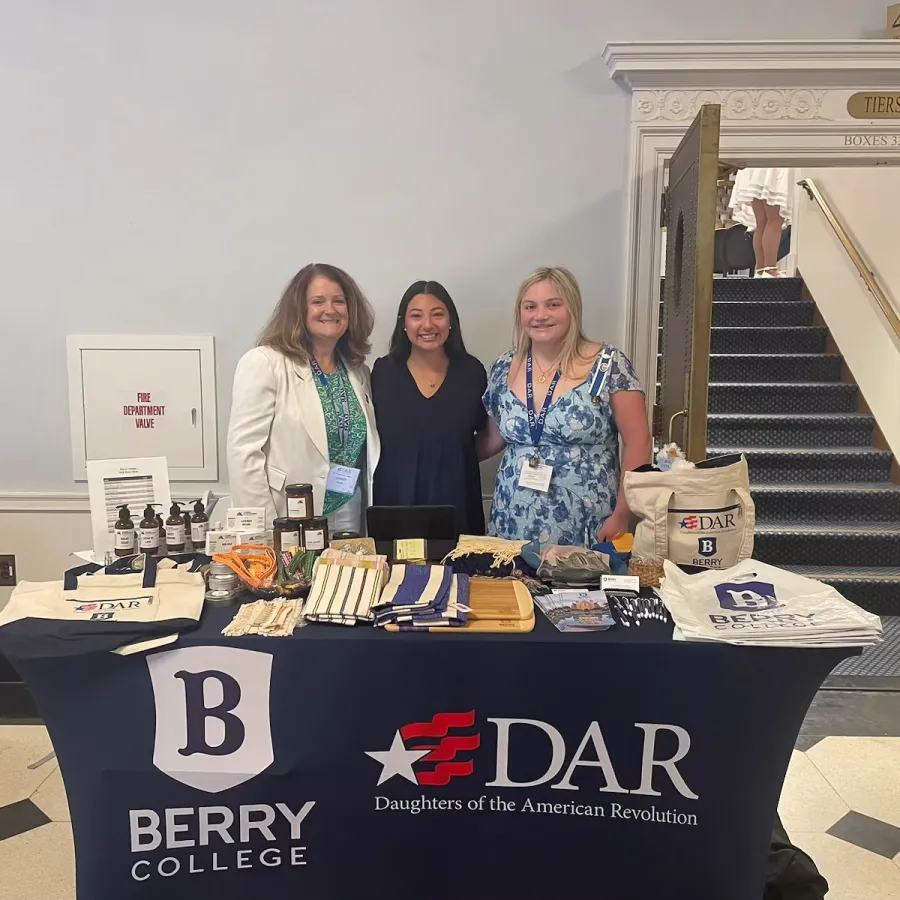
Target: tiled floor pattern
<point>840,803</point>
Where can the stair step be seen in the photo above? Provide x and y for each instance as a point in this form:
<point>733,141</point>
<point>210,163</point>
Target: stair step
<point>782,504</point>
<point>750,290</point>
<point>813,466</point>
<point>744,290</point>
<point>771,367</point>
<point>828,397</point>
<point>816,544</point>
<point>760,314</point>
<point>806,339</point>
<point>874,589</point>
<point>753,340</point>
<point>797,430</point>
<point>763,313</point>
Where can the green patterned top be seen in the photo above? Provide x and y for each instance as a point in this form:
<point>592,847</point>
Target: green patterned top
<point>351,454</point>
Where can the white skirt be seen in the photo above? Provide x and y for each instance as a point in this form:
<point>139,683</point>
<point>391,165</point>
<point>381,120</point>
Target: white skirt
<point>771,185</point>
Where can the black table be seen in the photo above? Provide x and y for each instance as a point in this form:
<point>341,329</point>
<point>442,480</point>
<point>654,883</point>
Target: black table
<point>620,764</point>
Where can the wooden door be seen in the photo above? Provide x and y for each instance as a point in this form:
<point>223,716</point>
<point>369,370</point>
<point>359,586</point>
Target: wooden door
<point>690,220</point>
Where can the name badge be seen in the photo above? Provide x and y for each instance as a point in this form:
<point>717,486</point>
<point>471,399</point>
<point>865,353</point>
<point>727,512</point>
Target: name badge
<point>535,477</point>
<point>342,480</point>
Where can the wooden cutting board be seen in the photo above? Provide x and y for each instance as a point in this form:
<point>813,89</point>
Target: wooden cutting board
<point>499,606</point>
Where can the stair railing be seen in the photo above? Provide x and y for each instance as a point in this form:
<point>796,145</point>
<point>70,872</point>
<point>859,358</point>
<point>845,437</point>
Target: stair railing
<point>868,276</point>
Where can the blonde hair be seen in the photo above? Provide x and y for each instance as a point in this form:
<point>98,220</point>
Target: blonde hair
<point>286,330</point>
<point>567,287</point>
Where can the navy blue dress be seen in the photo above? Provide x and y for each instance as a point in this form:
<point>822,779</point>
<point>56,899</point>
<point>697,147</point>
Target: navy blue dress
<point>428,443</point>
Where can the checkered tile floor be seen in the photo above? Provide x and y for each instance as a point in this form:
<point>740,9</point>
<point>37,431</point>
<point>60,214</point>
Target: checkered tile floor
<point>840,802</point>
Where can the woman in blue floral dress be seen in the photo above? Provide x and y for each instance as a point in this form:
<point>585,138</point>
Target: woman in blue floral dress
<point>584,397</point>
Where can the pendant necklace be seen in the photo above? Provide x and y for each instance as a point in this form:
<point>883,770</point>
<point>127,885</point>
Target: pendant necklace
<point>542,375</point>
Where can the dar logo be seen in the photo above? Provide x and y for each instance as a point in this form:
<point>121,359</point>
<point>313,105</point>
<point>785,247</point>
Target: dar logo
<point>212,715</point>
<point>431,747</point>
<point>87,607</point>
<point>692,523</point>
<point>747,597</point>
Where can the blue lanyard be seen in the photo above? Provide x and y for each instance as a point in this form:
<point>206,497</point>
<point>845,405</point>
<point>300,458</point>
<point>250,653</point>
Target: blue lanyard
<point>536,423</point>
<point>342,414</point>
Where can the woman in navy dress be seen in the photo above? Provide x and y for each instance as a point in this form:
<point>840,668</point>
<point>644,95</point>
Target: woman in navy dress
<point>427,394</point>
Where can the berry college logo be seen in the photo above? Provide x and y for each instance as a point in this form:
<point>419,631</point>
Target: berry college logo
<point>747,596</point>
<point>212,715</point>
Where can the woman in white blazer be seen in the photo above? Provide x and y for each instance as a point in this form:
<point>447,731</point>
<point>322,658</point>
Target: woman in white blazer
<point>301,409</point>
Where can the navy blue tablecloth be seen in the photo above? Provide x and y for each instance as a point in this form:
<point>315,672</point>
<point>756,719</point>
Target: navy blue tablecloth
<point>347,763</point>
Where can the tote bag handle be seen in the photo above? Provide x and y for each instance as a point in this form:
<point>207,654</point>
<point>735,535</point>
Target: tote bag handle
<point>661,524</point>
<point>70,580</point>
<point>746,550</point>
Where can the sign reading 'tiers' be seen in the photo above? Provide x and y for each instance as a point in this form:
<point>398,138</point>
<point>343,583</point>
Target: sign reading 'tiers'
<point>144,413</point>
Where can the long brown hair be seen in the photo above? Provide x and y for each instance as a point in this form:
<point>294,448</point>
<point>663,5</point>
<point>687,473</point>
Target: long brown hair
<point>573,351</point>
<point>286,330</point>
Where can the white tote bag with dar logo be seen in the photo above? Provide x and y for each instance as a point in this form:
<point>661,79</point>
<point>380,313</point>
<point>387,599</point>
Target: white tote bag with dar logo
<point>702,516</point>
<point>93,610</point>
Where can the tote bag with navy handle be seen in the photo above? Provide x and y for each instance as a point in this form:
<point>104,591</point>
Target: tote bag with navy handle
<point>701,517</point>
<point>94,609</point>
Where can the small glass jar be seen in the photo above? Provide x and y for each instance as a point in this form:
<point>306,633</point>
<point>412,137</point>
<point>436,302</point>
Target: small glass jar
<point>315,534</point>
<point>286,533</point>
<point>299,502</point>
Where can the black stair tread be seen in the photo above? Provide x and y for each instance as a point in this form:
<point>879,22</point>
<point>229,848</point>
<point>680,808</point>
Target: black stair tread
<point>849,487</point>
<point>767,385</point>
<point>789,417</point>
<point>834,452</point>
<point>847,573</point>
<point>834,386</point>
<point>770,328</point>
<point>775,356</point>
<point>759,302</point>
<point>875,528</point>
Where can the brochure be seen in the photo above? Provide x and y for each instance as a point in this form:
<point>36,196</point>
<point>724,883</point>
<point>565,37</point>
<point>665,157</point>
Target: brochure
<point>579,611</point>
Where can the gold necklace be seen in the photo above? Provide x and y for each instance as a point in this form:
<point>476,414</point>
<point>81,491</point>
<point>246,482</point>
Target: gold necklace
<point>542,374</point>
<point>431,384</point>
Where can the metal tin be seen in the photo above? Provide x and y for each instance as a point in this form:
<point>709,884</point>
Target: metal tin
<point>221,598</point>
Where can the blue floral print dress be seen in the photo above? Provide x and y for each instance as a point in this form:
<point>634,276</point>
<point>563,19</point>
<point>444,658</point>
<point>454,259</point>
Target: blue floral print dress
<point>580,441</point>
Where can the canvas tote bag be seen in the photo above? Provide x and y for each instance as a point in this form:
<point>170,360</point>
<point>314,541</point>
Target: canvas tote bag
<point>702,516</point>
<point>93,610</point>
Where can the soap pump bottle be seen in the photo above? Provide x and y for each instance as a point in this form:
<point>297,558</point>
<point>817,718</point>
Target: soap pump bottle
<point>162,532</point>
<point>148,531</point>
<point>175,530</point>
<point>199,525</point>
<point>124,533</point>
<point>186,518</point>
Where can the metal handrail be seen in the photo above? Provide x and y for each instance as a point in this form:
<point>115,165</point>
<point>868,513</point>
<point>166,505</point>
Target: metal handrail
<point>867,275</point>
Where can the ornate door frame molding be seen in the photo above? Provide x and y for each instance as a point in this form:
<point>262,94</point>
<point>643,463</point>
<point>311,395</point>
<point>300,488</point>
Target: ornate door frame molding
<point>783,103</point>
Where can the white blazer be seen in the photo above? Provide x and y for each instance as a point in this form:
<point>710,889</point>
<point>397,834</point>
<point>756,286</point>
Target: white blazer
<point>277,436</point>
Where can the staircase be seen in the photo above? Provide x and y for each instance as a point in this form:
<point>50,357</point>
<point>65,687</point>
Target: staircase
<point>826,506</point>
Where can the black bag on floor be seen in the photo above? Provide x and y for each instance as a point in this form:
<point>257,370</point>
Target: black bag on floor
<point>791,874</point>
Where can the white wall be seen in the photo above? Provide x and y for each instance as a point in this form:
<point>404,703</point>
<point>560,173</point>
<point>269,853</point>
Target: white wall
<point>865,202</point>
<point>169,165</point>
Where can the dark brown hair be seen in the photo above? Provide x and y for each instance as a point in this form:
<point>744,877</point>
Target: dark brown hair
<point>286,330</point>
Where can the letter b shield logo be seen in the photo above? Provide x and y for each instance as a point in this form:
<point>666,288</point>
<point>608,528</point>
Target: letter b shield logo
<point>707,546</point>
<point>212,715</point>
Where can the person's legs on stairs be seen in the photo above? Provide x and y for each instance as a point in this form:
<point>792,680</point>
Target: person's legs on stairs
<point>759,210</point>
<point>771,238</point>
